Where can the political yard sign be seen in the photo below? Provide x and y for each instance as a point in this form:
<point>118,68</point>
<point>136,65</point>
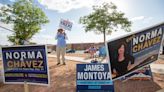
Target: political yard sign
<point>141,74</point>
<point>93,78</point>
<point>129,53</point>
<point>65,24</point>
<point>25,64</point>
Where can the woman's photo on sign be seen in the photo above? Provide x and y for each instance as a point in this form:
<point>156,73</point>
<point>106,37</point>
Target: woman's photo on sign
<point>120,58</point>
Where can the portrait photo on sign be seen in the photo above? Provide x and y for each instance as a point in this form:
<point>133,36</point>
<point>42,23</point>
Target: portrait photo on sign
<point>134,51</point>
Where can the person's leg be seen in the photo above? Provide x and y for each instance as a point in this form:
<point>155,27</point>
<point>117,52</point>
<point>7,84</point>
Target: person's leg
<point>93,54</point>
<point>90,54</point>
<point>58,55</point>
<point>63,49</point>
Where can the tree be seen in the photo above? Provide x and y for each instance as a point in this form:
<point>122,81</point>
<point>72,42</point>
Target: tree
<point>104,19</point>
<point>26,18</point>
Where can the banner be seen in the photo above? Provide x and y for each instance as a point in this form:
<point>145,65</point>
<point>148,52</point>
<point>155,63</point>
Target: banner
<point>134,51</point>
<point>141,74</point>
<point>65,24</point>
<point>93,78</point>
<point>25,64</point>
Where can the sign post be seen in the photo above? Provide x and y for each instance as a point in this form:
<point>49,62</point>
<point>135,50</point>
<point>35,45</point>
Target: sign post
<point>26,87</point>
<point>25,65</point>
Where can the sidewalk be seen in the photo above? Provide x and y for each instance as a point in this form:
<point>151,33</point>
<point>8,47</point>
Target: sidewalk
<point>157,68</point>
<point>80,59</point>
<point>161,57</point>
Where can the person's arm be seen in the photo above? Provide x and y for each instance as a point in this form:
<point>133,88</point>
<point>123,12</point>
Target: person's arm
<point>131,62</point>
<point>65,35</point>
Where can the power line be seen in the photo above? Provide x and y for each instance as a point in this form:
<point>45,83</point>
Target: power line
<point>6,28</point>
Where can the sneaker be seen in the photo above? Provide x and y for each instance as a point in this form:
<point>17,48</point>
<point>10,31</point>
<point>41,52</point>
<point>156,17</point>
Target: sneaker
<point>57,63</point>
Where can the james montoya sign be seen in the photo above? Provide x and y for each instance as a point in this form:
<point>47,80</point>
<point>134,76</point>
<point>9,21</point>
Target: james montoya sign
<point>25,64</point>
<point>93,78</point>
<point>134,51</point>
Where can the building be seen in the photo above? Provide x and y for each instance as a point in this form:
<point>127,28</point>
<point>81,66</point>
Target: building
<point>77,46</point>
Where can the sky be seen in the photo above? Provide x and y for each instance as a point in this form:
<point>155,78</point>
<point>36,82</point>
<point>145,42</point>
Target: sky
<point>142,13</point>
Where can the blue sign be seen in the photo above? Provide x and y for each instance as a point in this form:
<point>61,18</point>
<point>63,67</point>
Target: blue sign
<point>25,64</point>
<point>93,78</point>
<point>134,51</point>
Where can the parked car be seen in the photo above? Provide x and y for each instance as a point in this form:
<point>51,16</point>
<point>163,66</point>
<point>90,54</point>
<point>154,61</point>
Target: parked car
<point>70,51</point>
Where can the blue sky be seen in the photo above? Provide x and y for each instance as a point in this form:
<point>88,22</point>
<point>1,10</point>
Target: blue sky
<point>142,13</point>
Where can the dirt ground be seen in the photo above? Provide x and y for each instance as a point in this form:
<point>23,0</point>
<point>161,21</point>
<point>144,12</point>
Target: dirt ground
<point>63,79</point>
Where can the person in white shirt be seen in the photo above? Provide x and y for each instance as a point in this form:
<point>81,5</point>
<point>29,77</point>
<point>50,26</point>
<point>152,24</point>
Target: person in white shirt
<point>61,45</point>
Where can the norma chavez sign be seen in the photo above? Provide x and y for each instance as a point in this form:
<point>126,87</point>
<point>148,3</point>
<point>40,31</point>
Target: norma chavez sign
<point>134,51</point>
<point>93,78</point>
<point>25,64</point>
<point>65,24</point>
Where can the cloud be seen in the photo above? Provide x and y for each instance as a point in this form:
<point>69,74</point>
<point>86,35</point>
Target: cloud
<point>7,26</point>
<point>42,38</point>
<point>1,5</point>
<point>67,5</point>
<point>4,33</point>
<point>12,0</point>
<point>144,19</point>
<point>148,20</point>
<point>3,37</point>
<point>42,30</point>
<point>138,18</point>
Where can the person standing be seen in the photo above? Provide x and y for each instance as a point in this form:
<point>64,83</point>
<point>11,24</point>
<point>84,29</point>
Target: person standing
<point>92,51</point>
<point>61,45</point>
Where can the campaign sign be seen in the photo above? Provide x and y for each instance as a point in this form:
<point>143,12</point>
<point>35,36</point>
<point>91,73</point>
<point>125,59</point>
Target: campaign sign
<point>141,74</point>
<point>25,64</point>
<point>93,78</point>
<point>65,24</point>
<point>129,53</point>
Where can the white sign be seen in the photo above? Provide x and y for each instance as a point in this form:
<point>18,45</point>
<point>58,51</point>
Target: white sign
<point>65,24</point>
